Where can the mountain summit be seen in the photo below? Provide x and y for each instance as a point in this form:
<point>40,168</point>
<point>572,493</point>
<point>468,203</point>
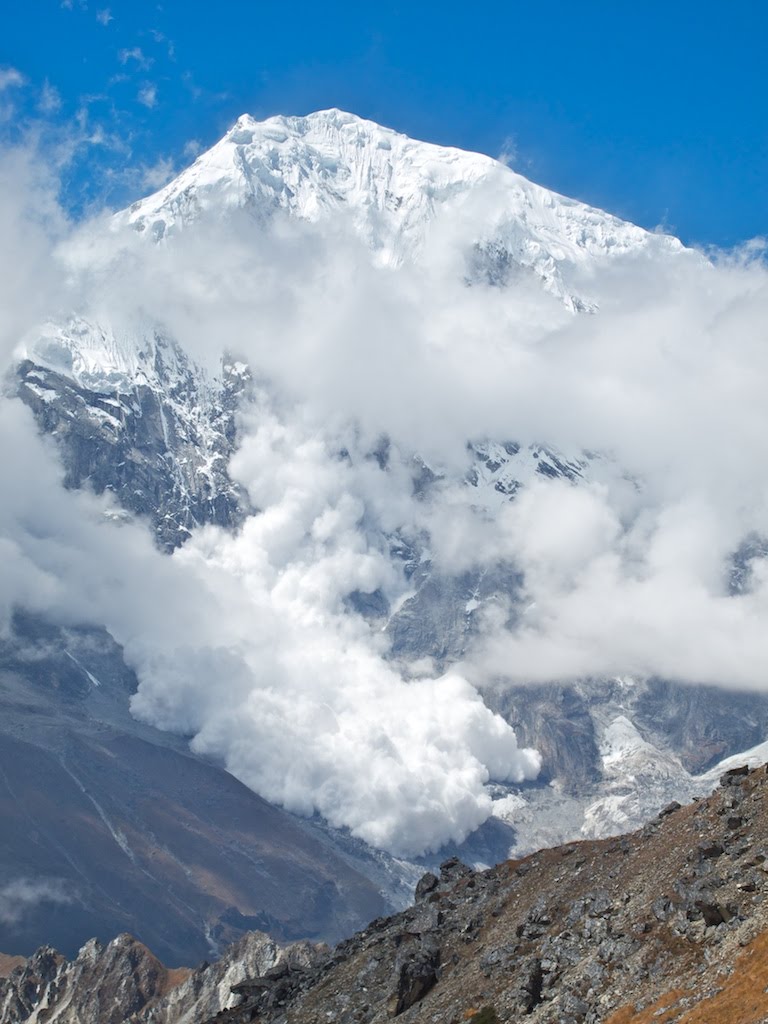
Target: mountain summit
<point>396,192</point>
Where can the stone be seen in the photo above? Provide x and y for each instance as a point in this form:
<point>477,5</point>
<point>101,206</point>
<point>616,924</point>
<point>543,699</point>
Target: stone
<point>452,870</point>
<point>669,809</point>
<point>425,885</point>
<point>710,849</point>
<point>416,974</point>
<point>734,776</point>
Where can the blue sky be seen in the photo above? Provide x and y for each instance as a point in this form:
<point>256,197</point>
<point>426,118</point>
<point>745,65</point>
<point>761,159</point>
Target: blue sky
<point>655,111</point>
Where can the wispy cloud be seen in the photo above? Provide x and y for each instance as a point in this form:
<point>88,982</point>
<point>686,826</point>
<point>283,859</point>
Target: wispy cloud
<point>104,17</point>
<point>509,152</point>
<point>159,174</point>
<point>243,639</point>
<point>147,95</point>
<point>194,90</point>
<point>23,895</point>
<point>136,54</point>
<point>161,37</point>
<point>50,99</point>
<point>10,77</point>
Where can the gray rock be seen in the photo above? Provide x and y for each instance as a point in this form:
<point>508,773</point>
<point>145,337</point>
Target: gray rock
<point>416,973</point>
<point>669,809</point>
<point>734,776</point>
<point>161,448</point>
<point>426,884</point>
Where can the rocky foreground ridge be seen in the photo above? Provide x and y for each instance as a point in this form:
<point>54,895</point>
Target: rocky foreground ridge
<point>668,924</point>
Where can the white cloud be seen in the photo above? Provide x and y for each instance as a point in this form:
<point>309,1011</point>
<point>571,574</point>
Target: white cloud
<point>667,379</point>
<point>31,225</point>
<point>147,95</point>
<point>310,708</point>
<point>136,55</point>
<point>104,17</point>
<point>23,895</point>
<point>158,174</point>
<point>10,78</point>
<point>509,151</point>
<point>244,640</point>
<point>243,644</point>
<point>50,99</point>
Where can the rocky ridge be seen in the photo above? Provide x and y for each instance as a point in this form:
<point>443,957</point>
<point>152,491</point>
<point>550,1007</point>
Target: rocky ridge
<point>668,924</point>
<point>123,981</point>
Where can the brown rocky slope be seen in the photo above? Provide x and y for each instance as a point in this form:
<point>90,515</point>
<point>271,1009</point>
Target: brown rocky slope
<point>668,925</point>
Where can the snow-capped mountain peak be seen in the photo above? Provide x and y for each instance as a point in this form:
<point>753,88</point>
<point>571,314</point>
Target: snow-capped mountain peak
<point>393,189</point>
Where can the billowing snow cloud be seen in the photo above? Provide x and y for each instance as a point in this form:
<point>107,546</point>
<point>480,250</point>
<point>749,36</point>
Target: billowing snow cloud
<point>241,641</point>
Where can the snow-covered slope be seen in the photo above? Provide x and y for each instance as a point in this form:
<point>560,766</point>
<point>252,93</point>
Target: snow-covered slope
<point>395,192</point>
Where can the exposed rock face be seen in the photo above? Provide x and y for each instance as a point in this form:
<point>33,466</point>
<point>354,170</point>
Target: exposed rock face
<point>105,984</point>
<point>214,987</point>
<point>151,428</point>
<point>612,749</point>
<point>159,436</point>
<point>135,416</point>
<point>668,923</point>
<point>416,972</point>
<point>123,982</point>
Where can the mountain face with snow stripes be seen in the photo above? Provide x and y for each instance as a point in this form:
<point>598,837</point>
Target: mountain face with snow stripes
<point>157,411</point>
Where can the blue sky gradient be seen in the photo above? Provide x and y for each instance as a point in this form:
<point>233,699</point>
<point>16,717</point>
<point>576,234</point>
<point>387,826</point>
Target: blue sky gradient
<point>656,111</point>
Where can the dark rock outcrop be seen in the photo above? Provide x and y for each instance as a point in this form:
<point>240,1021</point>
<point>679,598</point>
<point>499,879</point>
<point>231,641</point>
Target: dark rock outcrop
<point>598,932</point>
